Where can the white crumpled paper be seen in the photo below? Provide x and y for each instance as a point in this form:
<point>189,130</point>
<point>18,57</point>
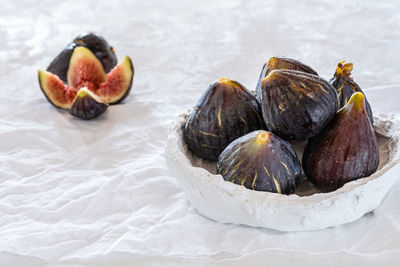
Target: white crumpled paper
<point>99,192</point>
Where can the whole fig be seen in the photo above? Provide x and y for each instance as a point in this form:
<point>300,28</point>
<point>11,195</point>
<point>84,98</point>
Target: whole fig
<point>297,105</point>
<point>261,161</point>
<point>345,150</point>
<point>224,112</point>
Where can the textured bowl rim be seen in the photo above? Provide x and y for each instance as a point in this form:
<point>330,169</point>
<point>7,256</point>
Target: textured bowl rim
<point>176,148</point>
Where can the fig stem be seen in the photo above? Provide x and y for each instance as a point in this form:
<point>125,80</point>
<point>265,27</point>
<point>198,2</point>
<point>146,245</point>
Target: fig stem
<point>228,81</point>
<point>343,69</point>
<point>262,137</point>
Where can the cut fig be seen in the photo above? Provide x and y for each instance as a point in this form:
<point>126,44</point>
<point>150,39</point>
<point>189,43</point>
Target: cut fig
<point>346,86</point>
<point>345,150</point>
<point>85,70</point>
<point>118,83</point>
<point>87,105</point>
<point>297,105</point>
<point>261,161</point>
<point>281,63</point>
<point>56,92</point>
<point>95,43</point>
<point>224,112</point>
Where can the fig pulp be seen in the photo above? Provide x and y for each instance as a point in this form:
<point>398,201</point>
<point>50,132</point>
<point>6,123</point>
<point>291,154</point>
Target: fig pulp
<point>281,63</point>
<point>85,70</point>
<point>346,86</point>
<point>87,105</point>
<point>224,112</point>
<point>261,161</point>
<point>345,150</point>
<point>95,43</point>
<point>297,105</point>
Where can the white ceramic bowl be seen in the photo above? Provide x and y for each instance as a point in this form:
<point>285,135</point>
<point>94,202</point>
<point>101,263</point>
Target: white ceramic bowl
<point>308,209</point>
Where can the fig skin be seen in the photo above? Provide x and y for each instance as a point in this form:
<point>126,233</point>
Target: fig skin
<point>261,161</point>
<point>225,111</point>
<point>281,63</point>
<point>96,44</point>
<point>297,105</point>
<point>346,86</point>
<point>345,150</point>
<point>87,105</point>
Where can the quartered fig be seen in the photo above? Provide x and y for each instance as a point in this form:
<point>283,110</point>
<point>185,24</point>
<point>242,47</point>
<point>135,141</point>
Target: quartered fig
<point>85,70</point>
<point>345,150</point>
<point>261,161</point>
<point>346,86</point>
<point>224,112</point>
<point>95,43</point>
<point>297,105</point>
<point>281,63</point>
<point>87,105</point>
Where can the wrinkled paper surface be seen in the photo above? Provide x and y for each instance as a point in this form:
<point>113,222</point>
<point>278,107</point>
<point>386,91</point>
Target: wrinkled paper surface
<point>81,191</point>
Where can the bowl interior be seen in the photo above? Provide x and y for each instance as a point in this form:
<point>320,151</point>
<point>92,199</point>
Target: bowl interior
<point>306,188</point>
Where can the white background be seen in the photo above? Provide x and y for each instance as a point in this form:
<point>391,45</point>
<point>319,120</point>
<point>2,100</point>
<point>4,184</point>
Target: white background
<point>74,192</point>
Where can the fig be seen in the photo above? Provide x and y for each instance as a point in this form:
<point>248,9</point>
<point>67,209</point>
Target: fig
<point>346,86</point>
<point>345,150</point>
<point>225,111</point>
<point>261,161</point>
<point>95,43</point>
<point>281,63</point>
<point>297,105</point>
<point>85,70</point>
<point>87,105</point>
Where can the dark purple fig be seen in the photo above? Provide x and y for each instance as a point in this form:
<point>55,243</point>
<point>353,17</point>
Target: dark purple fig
<point>345,150</point>
<point>96,44</point>
<point>297,105</point>
<point>281,63</point>
<point>224,112</point>
<point>87,105</point>
<point>261,161</point>
<point>346,86</point>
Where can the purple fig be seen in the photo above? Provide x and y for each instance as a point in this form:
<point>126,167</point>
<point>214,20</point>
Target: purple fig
<point>345,150</point>
<point>297,105</point>
<point>224,112</point>
<point>261,161</point>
